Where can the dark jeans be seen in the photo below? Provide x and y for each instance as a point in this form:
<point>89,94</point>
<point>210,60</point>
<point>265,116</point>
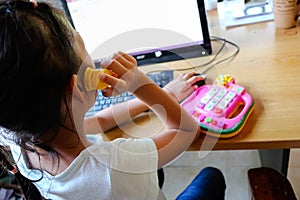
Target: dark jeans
<point>209,184</point>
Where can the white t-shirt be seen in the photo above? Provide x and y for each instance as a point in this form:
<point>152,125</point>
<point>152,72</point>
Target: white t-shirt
<point>121,169</point>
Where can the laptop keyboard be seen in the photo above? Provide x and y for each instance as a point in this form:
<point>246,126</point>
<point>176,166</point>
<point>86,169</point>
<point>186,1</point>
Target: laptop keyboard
<point>160,78</point>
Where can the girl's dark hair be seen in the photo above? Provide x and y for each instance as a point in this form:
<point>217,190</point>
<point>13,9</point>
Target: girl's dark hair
<point>37,61</point>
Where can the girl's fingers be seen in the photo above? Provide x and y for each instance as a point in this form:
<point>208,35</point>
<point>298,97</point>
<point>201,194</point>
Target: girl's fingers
<point>120,63</point>
<point>110,80</point>
<point>114,65</point>
<point>126,57</point>
<point>107,92</point>
<point>194,80</point>
<point>123,60</point>
<point>188,75</point>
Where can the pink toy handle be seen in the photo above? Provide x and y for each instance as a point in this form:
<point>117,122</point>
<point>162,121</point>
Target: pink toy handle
<point>247,99</point>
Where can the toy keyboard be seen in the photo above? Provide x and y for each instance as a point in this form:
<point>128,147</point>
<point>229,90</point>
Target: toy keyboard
<point>221,109</point>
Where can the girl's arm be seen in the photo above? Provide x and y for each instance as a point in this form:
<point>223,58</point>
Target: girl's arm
<point>113,116</point>
<point>105,120</point>
<point>181,127</point>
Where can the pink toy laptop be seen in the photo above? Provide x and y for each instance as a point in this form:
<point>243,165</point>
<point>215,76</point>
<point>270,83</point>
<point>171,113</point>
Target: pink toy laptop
<point>221,109</point>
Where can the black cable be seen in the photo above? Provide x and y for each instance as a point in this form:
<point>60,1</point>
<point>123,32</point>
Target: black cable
<point>213,38</point>
<point>232,56</point>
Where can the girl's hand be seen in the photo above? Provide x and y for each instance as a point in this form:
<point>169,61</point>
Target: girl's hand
<point>129,77</point>
<point>182,86</point>
<point>180,128</point>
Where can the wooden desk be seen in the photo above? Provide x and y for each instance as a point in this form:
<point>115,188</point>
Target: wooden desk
<point>268,65</point>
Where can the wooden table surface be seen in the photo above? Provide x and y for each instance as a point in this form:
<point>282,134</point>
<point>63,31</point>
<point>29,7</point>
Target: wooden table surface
<point>268,65</point>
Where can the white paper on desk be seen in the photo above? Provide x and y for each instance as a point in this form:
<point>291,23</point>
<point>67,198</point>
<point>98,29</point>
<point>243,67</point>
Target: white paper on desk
<point>230,21</point>
<point>233,7</point>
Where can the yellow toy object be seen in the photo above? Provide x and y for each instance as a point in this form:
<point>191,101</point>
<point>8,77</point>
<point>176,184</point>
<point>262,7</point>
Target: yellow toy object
<point>224,80</point>
<point>91,79</point>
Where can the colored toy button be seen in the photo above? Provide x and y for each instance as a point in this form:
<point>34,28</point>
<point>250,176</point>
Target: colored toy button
<point>201,118</point>
<point>208,120</point>
<point>220,124</point>
<point>214,122</point>
<point>240,90</point>
<point>195,114</point>
<point>218,111</point>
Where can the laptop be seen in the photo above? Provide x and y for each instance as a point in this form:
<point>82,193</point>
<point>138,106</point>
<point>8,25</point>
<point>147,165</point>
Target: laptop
<point>152,31</point>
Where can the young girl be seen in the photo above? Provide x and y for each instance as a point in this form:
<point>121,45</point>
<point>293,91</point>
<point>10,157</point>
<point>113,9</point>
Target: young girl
<point>43,102</point>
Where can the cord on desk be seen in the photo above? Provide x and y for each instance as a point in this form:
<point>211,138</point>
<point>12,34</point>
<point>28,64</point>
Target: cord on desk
<point>232,56</point>
<point>217,39</point>
<point>224,42</point>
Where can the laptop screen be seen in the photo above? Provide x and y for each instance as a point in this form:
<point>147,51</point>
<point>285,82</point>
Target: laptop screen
<point>152,31</point>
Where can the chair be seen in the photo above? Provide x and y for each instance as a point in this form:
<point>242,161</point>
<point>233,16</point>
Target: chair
<point>269,184</point>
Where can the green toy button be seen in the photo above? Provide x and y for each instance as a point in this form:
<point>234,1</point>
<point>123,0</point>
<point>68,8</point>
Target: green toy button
<point>239,90</point>
<point>208,119</point>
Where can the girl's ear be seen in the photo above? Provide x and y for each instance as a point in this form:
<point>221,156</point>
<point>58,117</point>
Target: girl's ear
<point>74,89</point>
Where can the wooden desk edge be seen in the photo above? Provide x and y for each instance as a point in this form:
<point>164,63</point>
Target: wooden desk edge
<point>222,145</point>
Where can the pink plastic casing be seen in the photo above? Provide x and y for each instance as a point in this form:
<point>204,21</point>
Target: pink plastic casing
<point>225,121</point>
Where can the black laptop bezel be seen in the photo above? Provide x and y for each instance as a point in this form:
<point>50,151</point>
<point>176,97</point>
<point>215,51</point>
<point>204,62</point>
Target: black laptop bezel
<point>201,48</point>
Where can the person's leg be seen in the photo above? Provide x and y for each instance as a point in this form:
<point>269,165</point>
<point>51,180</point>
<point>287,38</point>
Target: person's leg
<point>209,184</point>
